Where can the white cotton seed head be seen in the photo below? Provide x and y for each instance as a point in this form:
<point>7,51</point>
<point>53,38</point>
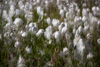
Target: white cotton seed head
<point>86,23</point>
<point>24,34</point>
<point>65,51</point>
<point>78,20</point>
<point>78,12</point>
<point>49,29</point>
<point>61,12</point>
<point>4,15</point>
<point>40,32</point>
<point>97,8</point>
<point>10,20</point>
<point>40,11</point>
<point>29,17</point>
<point>48,20</point>
<point>22,7</point>
<point>12,7</point>
<point>80,46</point>
<point>67,14</point>
<point>31,24</point>
<point>84,12</point>
<point>98,22</point>
<point>88,10</point>
<point>21,32</point>
<point>60,7</point>
<point>58,1</point>
<point>57,35</point>
<point>90,55</point>
<point>86,28</point>
<point>50,41</point>
<point>76,39</point>
<point>38,1</point>
<point>35,24</point>
<point>18,12</point>
<point>28,49</point>
<point>11,13</point>
<point>88,36</point>
<point>11,34</point>
<point>55,22</point>
<point>8,24</point>
<point>7,34</point>
<point>18,44</point>
<point>74,30</point>
<point>64,29</point>
<point>46,3</point>
<point>33,30</point>
<point>80,29</point>
<point>64,8</point>
<point>21,62</point>
<point>98,41</point>
<point>84,5</point>
<point>94,8</point>
<point>18,22</point>
<point>77,32</point>
<point>61,26</point>
<point>48,35</point>
<point>94,21</point>
<point>84,18</point>
<point>20,4</point>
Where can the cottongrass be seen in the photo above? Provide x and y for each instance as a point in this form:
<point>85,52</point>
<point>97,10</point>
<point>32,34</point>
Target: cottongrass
<point>44,33</point>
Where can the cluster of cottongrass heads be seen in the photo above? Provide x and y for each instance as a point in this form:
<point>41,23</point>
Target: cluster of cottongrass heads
<point>50,33</point>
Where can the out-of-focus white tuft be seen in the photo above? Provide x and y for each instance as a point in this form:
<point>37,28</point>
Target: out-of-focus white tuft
<point>57,36</point>
<point>28,49</point>
<point>18,44</point>
<point>90,55</point>
<point>40,32</point>
<point>65,51</point>
<point>55,22</point>
<point>21,62</point>
<point>18,22</point>
<point>98,41</point>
